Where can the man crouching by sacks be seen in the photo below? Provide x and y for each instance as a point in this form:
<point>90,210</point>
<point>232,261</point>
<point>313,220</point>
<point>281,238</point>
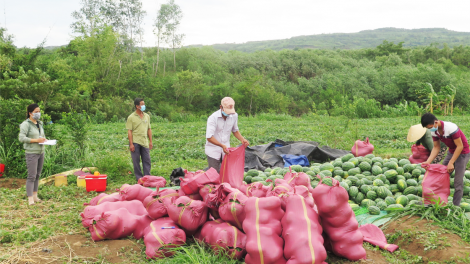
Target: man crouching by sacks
<point>219,126</point>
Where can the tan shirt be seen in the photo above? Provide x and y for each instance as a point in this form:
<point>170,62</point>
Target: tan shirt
<point>139,127</point>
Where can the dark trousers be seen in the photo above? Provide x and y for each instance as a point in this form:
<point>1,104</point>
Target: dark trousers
<point>214,163</point>
<point>34,164</point>
<point>459,168</point>
<point>144,153</point>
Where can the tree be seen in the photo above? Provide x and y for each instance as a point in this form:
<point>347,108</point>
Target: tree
<point>188,85</point>
<point>160,24</point>
<point>172,38</point>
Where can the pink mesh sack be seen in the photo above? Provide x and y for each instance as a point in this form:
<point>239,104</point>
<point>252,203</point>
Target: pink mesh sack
<point>157,201</point>
<point>436,184</point>
<point>263,230</point>
<point>338,221</point>
<point>232,210</point>
<point>134,192</point>
<point>420,154</point>
<point>162,235</point>
<point>233,167</point>
<point>256,189</point>
<point>192,185</point>
<point>134,207</point>
<point>376,237</point>
<point>103,197</point>
<point>188,214</point>
<point>118,224</point>
<point>302,233</point>
<point>152,181</point>
<point>195,196</point>
<point>298,178</point>
<point>362,148</point>
<point>222,235</point>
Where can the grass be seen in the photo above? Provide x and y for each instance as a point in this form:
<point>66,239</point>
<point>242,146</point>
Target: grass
<point>182,145</point>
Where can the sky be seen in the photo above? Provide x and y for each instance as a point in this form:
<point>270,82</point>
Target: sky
<point>221,21</point>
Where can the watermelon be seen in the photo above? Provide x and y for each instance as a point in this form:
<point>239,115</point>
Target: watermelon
<point>391,165</point>
<point>410,190</point>
<point>377,159</point>
<point>421,177</point>
<point>365,166</point>
<point>415,173</point>
<point>401,185</point>
<point>248,179</point>
<point>371,195</point>
<point>344,185</point>
<point>393,159</point>
<point>393,207</point>
<point>376,170</point>
<point>338,178</point>
<point>465,206</point>
<point>412,197</point>
<point>354,206</point>
<point>367,181</point>
<point>359,197</point>
<point>354,161</point>
<point>316,170</point>
<point>347,157</point>
<point>367,173</point>
<point>381,205</point>
<point>359,183</point>
<point>378,182</point>
<point>391,175</point>
<point>257,179</point>
<point>296,168</point>
<point>467,174</point>
<point>338,173</point>
<point>390,200</point>
<point>403,200</point>
<point>382,192</point>
<point>314,184</point>
<point>369,156</point>
<point>353,191</point>
<point>305,169</point>
<point>367,202</point>
<point>403,162</point>
<point>348,182</point>
<point>393,188</point>
<point>354,171</point>
<point>252,173</point>
<point>411,182</point>
<point>327,173</point>
<point>311,173</point>
<point>374,210</point>
<point>337,163</point>
<point>466,190</point>
<point>423,170</point>
<point>360,176</point>
<point>353,180</point>
<point>328,181</point>
<point>365,189</point>
<point>327,166</point>
<point>397,195</point>
<point>268,170</point>
<point>408,167</point>
<point>400,171</point>
<point>347,166</point>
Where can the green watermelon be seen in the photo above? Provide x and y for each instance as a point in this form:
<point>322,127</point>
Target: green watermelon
<point>305,169</point>
<point>257,179</point>
<point>327,166</point>
<point>353,179</point>
<point>381,205</point>
<point>248,179</point>
<point>398,194</point>
<point>378,164</point>
<point>327,173</point>
<point>403,200</point>
<point>344,185</point>
<point>369,156</point>
<point>467,174</point>
<point>371,195</point>
<point>365,188</point>
<point>359,197</point>
<point>328,181</point>
<point>354,207</point>
<point>410,190</point>
<point>360,176</point>
<point>367,173</point>
<point>402,185</point>
<point>359,183</point>
<point>465,206</point>
<point>393,207</point>
<point>314,184</point>
<point>423,170</point>
<point>403,162</point>
<point>367,202</point>
<point>337,163</point>
<point>348,182</point>
<point>412,197</point>
<point>391,165</point>
<point>338,178</point>
<point>365,166</point>
<point>419,190</point>
<point>354,161</point>
<point>296,168</point>
<point>376,170</point>
<point>411,182</point>
<point>311,173</point>
<point>347,166</point>
<point>391,175</point>
<point>268,170</point>
<point>374,210</point>
<point>378,182</point>
<point>382,192</point>
<point>367,181</point>
<point>354,171</point>
<point>393,188</point>
<point>353,191</point>
<point>405,176</point>
<point>408,167</point>
<point>377,159</point>
<point>400,171</point>
<point>316,170</point>
<point>347,157</point>
<point>252,173</point>
<point>393,159</point>
<point>338,173</point>
<point>381,177</point>
<point>390,200</point>
<point>415,173</point>
<point>466,190</point>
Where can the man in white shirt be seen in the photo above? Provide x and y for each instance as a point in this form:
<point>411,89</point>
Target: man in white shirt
<point>220,125</point>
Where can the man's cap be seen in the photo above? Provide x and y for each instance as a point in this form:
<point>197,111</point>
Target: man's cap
<point>228,104</point>
<point>416,132</point>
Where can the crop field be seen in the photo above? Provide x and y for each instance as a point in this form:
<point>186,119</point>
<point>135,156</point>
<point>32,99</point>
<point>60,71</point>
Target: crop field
<point>51,231</point>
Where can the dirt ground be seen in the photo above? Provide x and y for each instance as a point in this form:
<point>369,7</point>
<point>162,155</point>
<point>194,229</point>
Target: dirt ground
<point>429,241</point>
<point>12,183</point>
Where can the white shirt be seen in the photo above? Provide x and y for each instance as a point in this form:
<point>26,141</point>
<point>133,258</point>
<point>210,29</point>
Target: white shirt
<point>220,129</point>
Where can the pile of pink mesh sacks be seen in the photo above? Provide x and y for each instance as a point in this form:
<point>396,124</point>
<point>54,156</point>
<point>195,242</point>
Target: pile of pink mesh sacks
<point>285,222</point>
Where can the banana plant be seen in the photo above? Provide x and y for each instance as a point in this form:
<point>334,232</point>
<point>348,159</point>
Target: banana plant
<point>430,94</point>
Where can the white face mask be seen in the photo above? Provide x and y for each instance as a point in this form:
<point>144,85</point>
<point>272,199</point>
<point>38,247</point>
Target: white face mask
<point>36,116</point>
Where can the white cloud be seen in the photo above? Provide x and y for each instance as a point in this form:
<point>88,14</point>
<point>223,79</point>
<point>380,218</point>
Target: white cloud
<point>220,21</point>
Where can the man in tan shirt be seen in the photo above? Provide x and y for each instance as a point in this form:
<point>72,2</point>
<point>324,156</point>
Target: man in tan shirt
<point>140,138</point>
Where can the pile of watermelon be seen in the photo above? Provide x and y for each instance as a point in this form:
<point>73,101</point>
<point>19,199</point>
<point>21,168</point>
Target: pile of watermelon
<point>372,182</point>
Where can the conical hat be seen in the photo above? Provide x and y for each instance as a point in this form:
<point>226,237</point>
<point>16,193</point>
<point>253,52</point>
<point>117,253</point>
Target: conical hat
<point>416,132</point>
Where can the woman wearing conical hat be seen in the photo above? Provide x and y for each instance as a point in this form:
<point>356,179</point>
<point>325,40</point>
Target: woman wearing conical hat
<point>423,136</point>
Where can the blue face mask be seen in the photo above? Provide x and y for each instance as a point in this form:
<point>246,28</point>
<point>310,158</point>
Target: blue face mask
<point>142,108</point>
<point>433,129</point>
<point>224,114</point>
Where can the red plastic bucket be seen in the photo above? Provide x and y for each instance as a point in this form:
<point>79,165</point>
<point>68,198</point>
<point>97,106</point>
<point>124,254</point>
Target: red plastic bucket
<point>2,169</point>
<point>96,183</point>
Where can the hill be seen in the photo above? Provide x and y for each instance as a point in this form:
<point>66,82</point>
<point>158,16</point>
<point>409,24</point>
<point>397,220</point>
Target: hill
<point>359,40</point>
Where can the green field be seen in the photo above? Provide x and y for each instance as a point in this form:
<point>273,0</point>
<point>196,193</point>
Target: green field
<point>23,229</point>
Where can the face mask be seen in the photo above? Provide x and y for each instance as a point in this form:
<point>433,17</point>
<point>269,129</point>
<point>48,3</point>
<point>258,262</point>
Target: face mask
<point>36,116</point>
<point>224,114</point>
<point>433,129</point>
<point>142,108</point>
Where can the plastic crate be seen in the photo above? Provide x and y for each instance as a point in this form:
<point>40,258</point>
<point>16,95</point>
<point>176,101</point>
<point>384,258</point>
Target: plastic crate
<point>96,183</point>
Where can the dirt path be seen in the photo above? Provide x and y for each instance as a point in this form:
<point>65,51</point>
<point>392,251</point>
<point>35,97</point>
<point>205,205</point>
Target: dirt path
<point>12,183</point>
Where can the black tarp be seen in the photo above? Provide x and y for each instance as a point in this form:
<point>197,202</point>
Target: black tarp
<point>269,155</point>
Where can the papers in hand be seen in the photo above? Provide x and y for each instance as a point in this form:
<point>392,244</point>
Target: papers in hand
<point>49,142</point>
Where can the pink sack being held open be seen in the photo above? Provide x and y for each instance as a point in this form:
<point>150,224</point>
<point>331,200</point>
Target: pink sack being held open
<point>436,184</point>
<point>134,192</point>
<point>134,207</point>
<point>263,230</point>
<point>152,181</point>
<point>118,224</point>
<point>188,214</point>
<point>302,233</point>
<point>233,167</point>
<point>338,221</point>
<point>161,235</point>
<point>219,234</point>
<point>157,201</point>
